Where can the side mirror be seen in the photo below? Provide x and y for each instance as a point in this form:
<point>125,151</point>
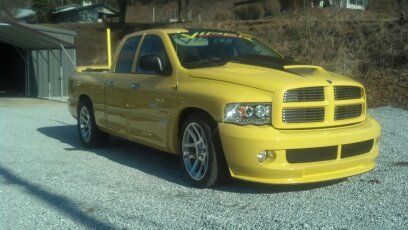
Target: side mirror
<point>152,63</point>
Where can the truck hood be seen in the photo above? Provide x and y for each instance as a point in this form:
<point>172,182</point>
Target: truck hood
<point>272,79</point>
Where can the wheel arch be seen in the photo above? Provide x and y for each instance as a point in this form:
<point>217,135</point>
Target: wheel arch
<point>189,111</point>
<point>182,116</point>
<point>83,97</point>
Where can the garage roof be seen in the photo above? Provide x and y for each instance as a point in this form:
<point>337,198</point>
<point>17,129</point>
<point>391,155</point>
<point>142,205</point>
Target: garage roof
<point>23,36</point>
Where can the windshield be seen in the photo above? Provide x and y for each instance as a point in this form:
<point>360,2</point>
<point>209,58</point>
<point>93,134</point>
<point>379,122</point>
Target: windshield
<point>205,49</point>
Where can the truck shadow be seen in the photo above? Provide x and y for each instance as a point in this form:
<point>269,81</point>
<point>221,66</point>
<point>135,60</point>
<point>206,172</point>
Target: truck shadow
<point>61,203</point>
<point>160,164</point>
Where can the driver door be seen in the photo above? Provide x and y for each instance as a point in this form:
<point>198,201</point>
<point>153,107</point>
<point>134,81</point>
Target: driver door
<point>155,93</point>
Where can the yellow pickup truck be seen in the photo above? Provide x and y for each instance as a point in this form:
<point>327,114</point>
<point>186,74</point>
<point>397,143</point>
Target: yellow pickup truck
<point>230,106</point>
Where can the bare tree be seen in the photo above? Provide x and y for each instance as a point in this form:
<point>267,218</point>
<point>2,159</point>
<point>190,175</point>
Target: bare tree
<point>316,3</point>
<point>188,4</point>
<point>285,5</point>
<point>267,7</point>
<point>400,9</point>
<point>7,7</point>
<point>179,7</point>
<point>122,4</point>
<point>43,9</point>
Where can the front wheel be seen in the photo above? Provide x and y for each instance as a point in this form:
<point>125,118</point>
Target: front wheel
<point>201,152</point>
<point>89,134</point>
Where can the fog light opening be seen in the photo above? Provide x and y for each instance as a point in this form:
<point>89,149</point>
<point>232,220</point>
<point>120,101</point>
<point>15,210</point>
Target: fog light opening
<point>264,155</point>
<point>261,156</point>
<point>271,155</point>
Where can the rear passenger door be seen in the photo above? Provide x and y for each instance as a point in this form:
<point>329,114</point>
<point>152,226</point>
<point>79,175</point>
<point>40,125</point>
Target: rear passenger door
<point>118,88</point>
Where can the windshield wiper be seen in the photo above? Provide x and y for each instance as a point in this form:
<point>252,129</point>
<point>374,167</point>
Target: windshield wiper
<point>208,62</point>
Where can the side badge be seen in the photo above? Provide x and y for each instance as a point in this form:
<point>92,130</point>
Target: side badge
<point>329,81</point>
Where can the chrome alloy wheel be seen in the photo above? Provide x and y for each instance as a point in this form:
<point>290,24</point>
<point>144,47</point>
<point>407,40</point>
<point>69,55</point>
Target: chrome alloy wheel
<point>85,124</point>
<point>195,151</point>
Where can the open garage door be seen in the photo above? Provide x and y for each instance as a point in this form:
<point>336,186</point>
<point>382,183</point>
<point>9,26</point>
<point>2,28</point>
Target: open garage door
<point>12,71</point>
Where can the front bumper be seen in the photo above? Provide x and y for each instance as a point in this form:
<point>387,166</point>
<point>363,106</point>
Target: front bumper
<point>241,144</point>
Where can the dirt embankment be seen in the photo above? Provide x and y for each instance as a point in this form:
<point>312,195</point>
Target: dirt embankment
<point>373,52</point>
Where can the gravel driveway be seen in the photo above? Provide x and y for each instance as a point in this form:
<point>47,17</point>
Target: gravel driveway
<point>48,181</point>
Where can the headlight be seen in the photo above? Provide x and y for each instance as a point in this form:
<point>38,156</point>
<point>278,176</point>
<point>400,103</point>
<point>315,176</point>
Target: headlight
<point>248,113</point>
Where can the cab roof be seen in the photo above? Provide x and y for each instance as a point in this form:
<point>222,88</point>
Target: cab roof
<point>179,30</point>
<point>163,30</point>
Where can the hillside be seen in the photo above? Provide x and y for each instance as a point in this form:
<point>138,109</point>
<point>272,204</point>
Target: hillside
<point>221,10</point>
<point>208,10</point>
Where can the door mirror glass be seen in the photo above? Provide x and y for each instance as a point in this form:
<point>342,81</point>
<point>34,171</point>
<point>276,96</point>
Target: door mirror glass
<point>151,63</point>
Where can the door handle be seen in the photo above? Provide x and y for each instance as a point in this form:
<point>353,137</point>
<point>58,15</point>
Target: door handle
<point>135,86</point>
<point>111,83</point>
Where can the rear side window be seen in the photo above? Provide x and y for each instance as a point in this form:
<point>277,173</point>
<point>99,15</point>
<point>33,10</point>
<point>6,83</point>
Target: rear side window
<point>126,55</point>
<point>153,45</point>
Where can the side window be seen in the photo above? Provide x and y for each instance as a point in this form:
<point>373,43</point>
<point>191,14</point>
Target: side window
<point>126,55</point>
<point>153,45</point>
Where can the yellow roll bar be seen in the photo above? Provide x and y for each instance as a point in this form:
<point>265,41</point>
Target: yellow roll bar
<point>108,47</point>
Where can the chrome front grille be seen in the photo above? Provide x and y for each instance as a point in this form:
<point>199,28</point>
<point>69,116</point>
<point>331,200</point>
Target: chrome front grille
<point>347,92</point>
<point>302,115</point>
<point>347,111</point>
<point>304,94</point>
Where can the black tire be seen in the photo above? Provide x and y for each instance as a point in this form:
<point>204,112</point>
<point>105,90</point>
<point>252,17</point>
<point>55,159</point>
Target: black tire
<point>96,137</point>
<point>217,171</point>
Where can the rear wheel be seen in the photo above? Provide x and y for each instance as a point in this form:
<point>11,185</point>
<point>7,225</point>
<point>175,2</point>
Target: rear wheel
<point>201,153</point>
<point>89,134</point>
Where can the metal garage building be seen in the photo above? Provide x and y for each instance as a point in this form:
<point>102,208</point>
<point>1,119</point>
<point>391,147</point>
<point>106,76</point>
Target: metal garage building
<point>35,61</point>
